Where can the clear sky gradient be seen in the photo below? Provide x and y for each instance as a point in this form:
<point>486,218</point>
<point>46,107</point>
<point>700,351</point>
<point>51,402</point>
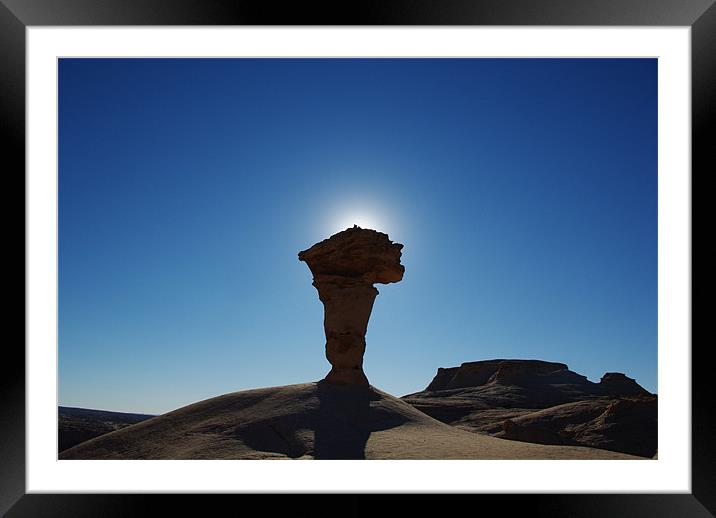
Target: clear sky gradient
<point>524,191</point>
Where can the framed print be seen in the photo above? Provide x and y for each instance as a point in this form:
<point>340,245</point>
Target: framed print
<point>419,249</point>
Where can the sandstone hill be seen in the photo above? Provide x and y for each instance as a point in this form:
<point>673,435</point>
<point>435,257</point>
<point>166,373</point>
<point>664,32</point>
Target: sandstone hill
<point>543,402</point>
<point>311,421</point>
<point>76,425</point>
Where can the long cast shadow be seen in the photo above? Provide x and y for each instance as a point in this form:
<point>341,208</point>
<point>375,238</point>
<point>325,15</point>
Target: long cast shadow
<point>337,426</point>
<point>345,419</point>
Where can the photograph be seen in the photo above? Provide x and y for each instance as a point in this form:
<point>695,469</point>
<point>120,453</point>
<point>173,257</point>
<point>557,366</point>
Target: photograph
<point>357,258</point>
<point>415,248</point>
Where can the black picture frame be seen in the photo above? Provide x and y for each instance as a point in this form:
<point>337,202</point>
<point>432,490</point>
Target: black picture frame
<point>16,15</point>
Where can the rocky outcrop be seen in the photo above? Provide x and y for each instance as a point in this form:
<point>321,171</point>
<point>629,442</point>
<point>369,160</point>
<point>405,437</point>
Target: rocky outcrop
<point>345,267</point>
<point>474,374</point>
<point>627,425</point>
<point>543,402</point>
<point>616,383</point>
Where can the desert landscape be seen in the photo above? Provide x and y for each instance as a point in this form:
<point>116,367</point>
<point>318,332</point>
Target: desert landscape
<point>357,258</point>
<point>328,421</point>
<point>543,402</point>
<point>494,409</point>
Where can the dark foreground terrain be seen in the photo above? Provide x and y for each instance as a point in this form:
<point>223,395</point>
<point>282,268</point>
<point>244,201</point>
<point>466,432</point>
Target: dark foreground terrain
<point>543,402</point>
<point>76,425</point>
<point>493,409</point>
<point>311,421</point>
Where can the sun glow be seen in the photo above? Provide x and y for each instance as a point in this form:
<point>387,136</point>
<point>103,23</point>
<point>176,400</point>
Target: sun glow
<point>365,211</point>
<point>362,220</point>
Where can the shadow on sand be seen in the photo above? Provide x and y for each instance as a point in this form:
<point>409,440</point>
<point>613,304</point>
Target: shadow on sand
<point>326,422</point>
<point>345,420</point>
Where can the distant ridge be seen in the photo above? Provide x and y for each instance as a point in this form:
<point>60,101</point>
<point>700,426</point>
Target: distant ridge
<point>76,425</point>
<point>545,403</point>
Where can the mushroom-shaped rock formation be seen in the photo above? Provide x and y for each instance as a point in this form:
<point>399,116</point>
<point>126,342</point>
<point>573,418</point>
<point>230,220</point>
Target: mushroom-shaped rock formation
<point>345,267</point>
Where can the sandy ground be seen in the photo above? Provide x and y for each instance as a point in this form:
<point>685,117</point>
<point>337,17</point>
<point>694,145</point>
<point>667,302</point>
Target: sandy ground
<point>310,421</point>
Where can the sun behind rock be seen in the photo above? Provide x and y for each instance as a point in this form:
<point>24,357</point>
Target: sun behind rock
<point>344,268</point>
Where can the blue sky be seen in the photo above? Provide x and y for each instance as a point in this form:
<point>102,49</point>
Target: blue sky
<point>524,191</point>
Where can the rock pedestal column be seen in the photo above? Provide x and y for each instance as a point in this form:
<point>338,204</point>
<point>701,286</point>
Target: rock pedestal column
<point>345,267</point>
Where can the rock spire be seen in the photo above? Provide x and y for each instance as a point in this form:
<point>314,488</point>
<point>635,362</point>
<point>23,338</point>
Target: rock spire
<point>345,267</point>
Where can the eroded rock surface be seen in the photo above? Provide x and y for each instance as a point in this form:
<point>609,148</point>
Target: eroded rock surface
<point>543,402</point>
<point>627,424</point>
<point>310,421</point>
<point>345,267</point>
<point>620,384</point>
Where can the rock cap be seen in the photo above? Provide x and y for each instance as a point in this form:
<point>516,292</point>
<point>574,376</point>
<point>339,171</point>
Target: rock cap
<point>357,254</point>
